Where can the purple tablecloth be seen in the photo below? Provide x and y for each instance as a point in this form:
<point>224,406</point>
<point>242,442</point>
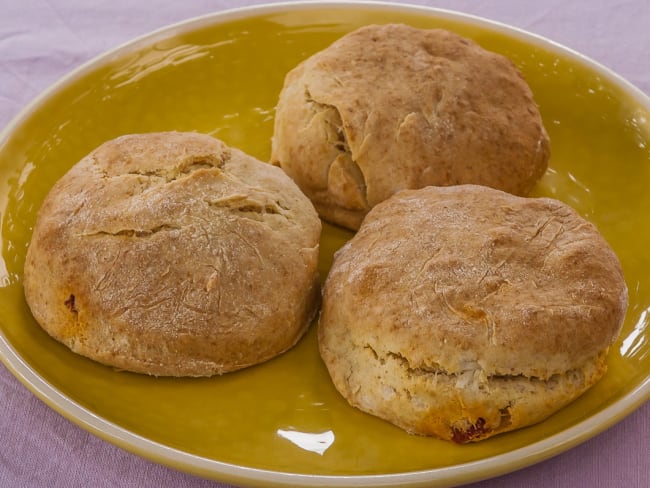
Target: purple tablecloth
<point>42,40</point>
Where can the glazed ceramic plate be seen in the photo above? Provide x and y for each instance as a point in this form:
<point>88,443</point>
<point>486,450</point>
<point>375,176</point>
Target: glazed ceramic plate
<point>282,423</point>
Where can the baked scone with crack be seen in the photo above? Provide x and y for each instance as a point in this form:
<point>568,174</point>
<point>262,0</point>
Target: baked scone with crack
<point>463,312</point>
<point>393,107</point>
<point>172,254</point>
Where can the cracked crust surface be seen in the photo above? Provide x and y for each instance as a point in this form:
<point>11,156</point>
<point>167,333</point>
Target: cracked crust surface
<point>462,312</point>
<point>173,254</point>
<point>393,107</point>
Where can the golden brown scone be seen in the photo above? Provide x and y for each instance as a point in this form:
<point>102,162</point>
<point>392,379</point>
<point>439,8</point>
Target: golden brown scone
<point>393,107</point>
<point>173,254</point>
<point>462,312</point>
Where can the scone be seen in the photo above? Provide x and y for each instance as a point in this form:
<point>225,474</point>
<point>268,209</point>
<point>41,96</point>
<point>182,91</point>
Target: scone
<point>392,107</point>
<point>463,312</point>
<point>173,254</point>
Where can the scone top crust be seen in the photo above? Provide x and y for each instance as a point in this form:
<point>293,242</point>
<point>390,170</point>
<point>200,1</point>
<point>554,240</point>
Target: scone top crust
<point>469,278</point>
<point>393,107</point>
<point>173,254</point>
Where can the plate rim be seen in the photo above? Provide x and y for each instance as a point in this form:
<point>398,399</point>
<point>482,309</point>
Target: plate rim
<point>210,468</point>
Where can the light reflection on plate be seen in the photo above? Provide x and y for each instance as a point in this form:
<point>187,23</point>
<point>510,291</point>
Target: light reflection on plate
<point>312,442</point>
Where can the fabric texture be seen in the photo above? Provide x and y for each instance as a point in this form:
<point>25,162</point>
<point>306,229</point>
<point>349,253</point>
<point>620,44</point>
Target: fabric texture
<point>42,40</point>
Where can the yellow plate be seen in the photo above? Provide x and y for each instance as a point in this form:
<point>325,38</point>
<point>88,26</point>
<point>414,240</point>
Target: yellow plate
<point>282,423</point>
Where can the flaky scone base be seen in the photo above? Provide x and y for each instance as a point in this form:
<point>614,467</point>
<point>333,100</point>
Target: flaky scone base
<point>464,407</point>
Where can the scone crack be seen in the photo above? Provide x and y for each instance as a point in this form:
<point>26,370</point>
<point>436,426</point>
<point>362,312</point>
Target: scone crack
<point>189,165</point>
<point>134,232</point>
<point>248,203</point>
<point>400,358</point>
<point>208,161</point>
<point>405,121</point>
<point>475,374</point>
<point>336,135</point>
<point>541,228</point>
<point>345,180</point>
